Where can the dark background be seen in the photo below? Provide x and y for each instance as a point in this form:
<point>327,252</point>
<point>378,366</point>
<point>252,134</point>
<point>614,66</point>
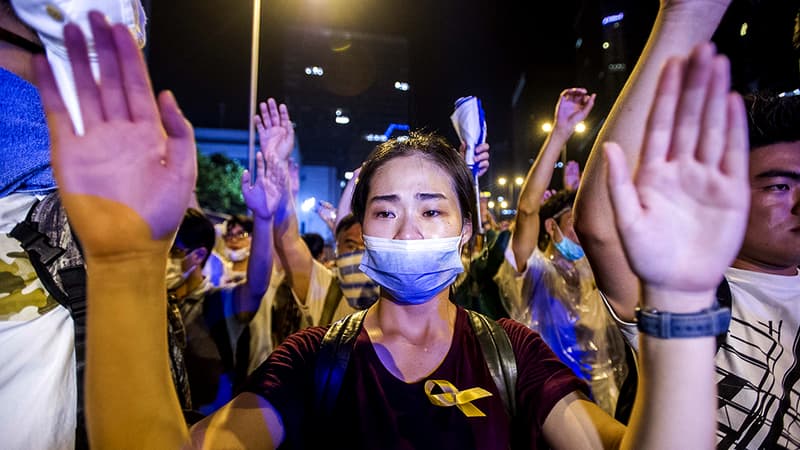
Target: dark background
<point>201,51</point>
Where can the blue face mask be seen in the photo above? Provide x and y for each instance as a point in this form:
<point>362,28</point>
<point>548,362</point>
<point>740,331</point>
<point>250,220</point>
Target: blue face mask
<point>412,271</point>
<point>568,248</point>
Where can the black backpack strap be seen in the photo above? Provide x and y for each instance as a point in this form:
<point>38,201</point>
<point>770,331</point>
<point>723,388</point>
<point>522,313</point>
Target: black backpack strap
<point>332,359</point>
<point>499,357</point>
<point>332,299</point>
<point>724,300</point>
<point>54,253</point>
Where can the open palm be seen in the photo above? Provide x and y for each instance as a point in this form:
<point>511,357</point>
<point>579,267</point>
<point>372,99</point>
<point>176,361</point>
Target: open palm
<point>133,170</point>
<point>275,129</point>
<point>263,196</point>
<point>683,218</point>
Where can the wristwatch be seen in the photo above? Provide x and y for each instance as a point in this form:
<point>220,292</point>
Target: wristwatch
<point>666,325</point>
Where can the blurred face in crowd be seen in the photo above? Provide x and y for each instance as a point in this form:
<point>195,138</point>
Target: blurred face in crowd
<point>237,238</point>
<point>349,240</point>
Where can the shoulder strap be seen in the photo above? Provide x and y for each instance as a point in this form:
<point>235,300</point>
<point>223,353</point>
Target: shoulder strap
<point>55,255</point>
<point>332,299</point>
<point>332,359</point>
<point>499,357</point>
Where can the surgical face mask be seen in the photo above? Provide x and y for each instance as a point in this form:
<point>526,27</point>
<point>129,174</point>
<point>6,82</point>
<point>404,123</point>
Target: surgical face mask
<point>237,255</point>
<point>359,290</point>
<point>568,248</point>
<point>412,271</point>
<point>175,274</point>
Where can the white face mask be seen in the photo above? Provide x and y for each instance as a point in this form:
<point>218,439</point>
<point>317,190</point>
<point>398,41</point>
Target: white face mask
<point>176,277</point>
<point>412,271</point>
<point>237,255</point>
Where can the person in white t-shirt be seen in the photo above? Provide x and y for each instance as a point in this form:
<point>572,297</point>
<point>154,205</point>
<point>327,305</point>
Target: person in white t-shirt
<point>758,365</point>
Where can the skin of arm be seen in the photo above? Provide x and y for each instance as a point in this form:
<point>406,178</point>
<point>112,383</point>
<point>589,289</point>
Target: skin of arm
<point>125,203</point>
<point>262,198</point>
<point>276,136</point>
<point>693,172</point>
<point>347,197</point>
<point>573,106</point>
<point>679,26</point>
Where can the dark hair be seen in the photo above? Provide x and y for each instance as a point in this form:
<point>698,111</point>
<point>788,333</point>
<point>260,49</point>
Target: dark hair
<point>196,231</point>
<point>315,244</point>
<point>431,147</point>
<point>555,204</point>
<point>345,224</point>
<point>772,119</point>
<point>243,221</point>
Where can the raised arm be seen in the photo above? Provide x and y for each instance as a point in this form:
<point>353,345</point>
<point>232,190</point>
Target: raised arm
<point>689,200</point>
<point>573,106</point>
<point>679,26</point>
<point>262,198</point>
<point>125,202</point>
<point>276,135</point>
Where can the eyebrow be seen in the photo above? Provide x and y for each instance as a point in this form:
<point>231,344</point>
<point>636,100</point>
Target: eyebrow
<point>779,174</point>
<point>392,198</point>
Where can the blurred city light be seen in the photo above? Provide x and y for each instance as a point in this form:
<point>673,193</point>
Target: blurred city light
<point>519,181</point>
<point>348,175</point>
<point>502,181</point>
<point>401,85</point>
<point>580,127</point>
<point>315,71</point>
<point>308,204</point>
<point>613,18</point>
<point>504,204</point>
<point>376,137</point>
<point>490,204</point>
<point>547,127</point>
<point>743,29</point>
<point>342,120</point>
<point>500,198</point>
<point>606,45</point>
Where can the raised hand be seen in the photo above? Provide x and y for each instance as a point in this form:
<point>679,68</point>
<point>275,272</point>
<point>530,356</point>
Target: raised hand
<point>127,181</point>
<point>572,175</point>
<point>682,219</point>
<point>263,196</point>
<point>275,130</point>
<point>574,105</point>
<point>327,212</point>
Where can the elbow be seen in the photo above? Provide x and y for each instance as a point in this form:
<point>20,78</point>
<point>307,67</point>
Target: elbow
<point>590,229</point>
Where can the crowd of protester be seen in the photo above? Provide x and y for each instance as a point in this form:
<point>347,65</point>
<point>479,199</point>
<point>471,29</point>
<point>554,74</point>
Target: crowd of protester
<point>653,302</point>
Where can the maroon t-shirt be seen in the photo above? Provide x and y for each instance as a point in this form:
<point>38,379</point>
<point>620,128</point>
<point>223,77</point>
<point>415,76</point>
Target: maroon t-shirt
<point>375,410</point>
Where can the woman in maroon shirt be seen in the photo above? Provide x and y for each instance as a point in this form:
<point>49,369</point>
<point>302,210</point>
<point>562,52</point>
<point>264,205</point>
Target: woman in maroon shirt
<point>416,211</point>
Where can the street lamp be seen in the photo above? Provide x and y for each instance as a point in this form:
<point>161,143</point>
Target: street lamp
<point>518,181</point>
<point>502,181</point>
<point>547,127</point>
<point>580,127</point>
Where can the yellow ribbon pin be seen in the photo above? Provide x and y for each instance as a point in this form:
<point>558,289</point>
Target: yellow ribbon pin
<point>451,396</point>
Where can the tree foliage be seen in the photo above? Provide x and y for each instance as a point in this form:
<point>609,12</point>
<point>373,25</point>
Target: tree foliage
<point>219,186</point>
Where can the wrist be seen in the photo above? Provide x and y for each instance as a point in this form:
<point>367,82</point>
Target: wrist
<point>676,301</point>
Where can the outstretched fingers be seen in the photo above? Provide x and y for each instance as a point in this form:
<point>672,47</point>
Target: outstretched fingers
<point>85,85</point>
<point>736,157</point>
<point>112,95</point>
<point>693,96</point>
<point>141,103</point>
<point>662,113</point>
<point>714,123</point>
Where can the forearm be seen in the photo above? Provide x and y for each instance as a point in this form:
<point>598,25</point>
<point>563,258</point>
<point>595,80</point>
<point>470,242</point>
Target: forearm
<point>676,396</point>
<point>676,31</point>
<point>130,399</point>
<point>294,255</point>
<point>526,222</point>
<point>344,207</point>
<point>259,268</point>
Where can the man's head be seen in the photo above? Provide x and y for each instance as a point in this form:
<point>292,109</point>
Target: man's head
<point>348,235</point>
<point>238,230</point>
<point>772,239</point>
<point>191,249</point>
<point>555,219</point>
<point>315,244</point>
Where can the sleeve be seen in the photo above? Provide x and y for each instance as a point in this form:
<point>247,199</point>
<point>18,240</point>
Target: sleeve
<point>318,285</point>
<point>542,379</point>
<point>285,379</point>
<point>628,329</point>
